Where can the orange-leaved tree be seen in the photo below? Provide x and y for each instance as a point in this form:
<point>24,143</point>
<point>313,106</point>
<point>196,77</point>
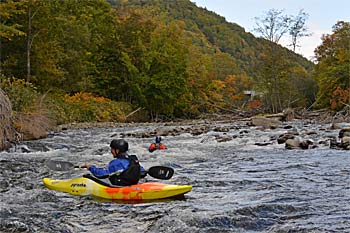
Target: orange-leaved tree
<point>234,91</point>
<point>332,71</point>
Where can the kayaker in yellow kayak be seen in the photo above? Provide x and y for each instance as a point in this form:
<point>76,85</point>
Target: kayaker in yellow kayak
<point>124,169</point>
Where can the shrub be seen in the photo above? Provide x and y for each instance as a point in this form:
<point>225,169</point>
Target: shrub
<point>84,107</point>
<point>23,95</point>
<point>80,107</point>
<point>254,104</point>
<point>340,98</point>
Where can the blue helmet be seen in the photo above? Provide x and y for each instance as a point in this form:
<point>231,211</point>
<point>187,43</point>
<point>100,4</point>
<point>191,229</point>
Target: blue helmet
<point>158,139</point>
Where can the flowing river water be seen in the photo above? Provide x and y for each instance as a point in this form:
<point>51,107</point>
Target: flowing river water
<point>238,185</point>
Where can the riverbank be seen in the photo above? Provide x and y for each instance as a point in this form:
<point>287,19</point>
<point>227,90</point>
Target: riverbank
<point>321,116</point>
<point>32,127</point>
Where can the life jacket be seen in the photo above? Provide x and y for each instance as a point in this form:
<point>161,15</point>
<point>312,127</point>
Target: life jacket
<point>155,146</point>
<point>129,176</point>
<point>162,147</point>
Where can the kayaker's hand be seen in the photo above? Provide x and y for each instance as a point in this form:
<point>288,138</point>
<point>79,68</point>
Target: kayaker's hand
<point>85,166</point>
<point>143,174</point>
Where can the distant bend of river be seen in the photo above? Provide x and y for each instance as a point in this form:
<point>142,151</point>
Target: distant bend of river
<point>237,185</point>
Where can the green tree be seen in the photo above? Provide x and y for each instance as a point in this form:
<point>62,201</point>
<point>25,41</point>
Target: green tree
<point>167,70</point>
<point>123,60</point>
<point>144,62</point>
<point>272,80</point>
<point>200,71</point>
<point>9,28</point>
<point>224,65</point>
<point>62,37</point>
<point>278,70</point>
<point>332,70</point>
<point>73,36</point>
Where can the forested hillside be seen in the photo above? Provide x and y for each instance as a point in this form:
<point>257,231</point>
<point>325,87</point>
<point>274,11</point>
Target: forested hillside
<point>100,60</point>
<point>214,34</point>
<point>235,60</point>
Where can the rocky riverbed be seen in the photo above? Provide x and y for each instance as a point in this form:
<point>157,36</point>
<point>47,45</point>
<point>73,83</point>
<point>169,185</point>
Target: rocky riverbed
<point>244,179</point>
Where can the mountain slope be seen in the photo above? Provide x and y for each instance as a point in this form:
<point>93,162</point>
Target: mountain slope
<point>214,34</point>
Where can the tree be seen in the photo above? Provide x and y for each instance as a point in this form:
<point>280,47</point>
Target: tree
<point>9,28</point>
<point>144,63</point>
<point>224,64</point>
<point>273,25</point>
<point>233,93</point>
<point>200,71</point>
<point>273,62</point>
<point>332,71</point>
<point>167,71</point>
<point>63,38</point>
<point>298,28</point>
<point>278,71</point>
<point>273,79</point>
<point>123,60</point>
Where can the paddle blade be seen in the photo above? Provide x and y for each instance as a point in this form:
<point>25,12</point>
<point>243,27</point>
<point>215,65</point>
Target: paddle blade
<point>160,172</point>
<point>59,165</point>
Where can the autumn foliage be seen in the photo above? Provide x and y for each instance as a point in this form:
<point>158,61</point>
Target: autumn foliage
<point>340,97</point>
<point>100,60</point>
<point>333,68</point>
<point>255,104</point>
<point>85,107</point>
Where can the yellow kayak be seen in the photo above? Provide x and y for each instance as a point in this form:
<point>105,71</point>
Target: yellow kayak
<point>83,186</point>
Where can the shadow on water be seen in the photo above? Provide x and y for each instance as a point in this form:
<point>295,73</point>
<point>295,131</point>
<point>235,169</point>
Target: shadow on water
<point>175,198</point>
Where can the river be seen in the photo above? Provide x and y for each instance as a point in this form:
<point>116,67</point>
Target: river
<point>238,185</point>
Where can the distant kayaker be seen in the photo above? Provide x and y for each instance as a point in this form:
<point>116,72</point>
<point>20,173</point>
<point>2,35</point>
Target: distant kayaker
<point>157,145</point>
<point>124,169</point>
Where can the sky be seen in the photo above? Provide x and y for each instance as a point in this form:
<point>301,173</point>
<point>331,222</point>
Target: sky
<point>323,15</point>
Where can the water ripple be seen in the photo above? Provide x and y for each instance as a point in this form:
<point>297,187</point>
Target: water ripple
<point>237,186</point>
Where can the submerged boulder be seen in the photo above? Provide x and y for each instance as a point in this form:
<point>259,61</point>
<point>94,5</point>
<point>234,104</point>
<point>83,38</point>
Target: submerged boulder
<point>345,132</point>
<point>344,143</point>
<point>266,123</point>
<point>298,143</point>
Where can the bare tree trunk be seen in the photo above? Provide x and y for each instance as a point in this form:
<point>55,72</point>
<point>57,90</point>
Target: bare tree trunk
<point>29,35</point>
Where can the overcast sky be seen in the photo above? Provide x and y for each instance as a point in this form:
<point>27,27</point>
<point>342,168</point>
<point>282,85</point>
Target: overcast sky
<point>323,15</point>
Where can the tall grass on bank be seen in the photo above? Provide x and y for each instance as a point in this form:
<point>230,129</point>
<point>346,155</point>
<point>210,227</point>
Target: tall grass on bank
<point>62,108</point>
<point>84,107</point>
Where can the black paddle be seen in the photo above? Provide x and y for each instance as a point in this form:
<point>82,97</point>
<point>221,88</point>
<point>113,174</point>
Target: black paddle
<point>159,172</point>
